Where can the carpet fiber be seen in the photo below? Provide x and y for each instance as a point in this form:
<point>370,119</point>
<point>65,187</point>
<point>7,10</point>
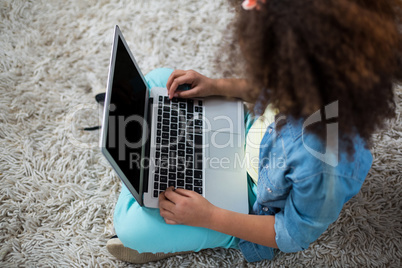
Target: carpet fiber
<point>57,191</point>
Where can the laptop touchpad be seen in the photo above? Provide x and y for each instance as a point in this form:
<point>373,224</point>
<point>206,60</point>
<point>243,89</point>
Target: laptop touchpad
<point>224,151</point>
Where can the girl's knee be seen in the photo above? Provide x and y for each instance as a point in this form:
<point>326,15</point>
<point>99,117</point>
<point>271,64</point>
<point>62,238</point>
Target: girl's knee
<point>158,77</point>
<point>132,226</point>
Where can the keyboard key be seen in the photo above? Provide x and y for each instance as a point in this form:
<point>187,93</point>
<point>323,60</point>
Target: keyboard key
<point>172,183</point>
<point>163,178</point>
<point>180,138</point>
<point>198,163</point>
<point>180,175</point>
<point>198,122</point>
<point>166,122</point>
<point>190,104</point>
<point>180,168</point>
<point>173,119</point>
<point>165,142</point>
<point>197,174</point>
<point>173,126</point>
<point>181,160</point>
<point>159,112</point>
<point>196,109</point>
<point>163,186</point>
<point>160,98</point>
<point>198,140</point>
<point>165,149</point>
<point>166,109</point>
<point>156,193</point>
<point>189,180</point>
<point>182,132</point>
<point>172,169</point>
<point>166,115</point>
<point>189,143</point>
<point>159,118</point>
<point>173,147</point>
<point>197,182</point>
<point>200,103</point>
<point>189,172</point>
<point>175,100</point>
<point>180,182</point>
<point>172,176</point>
<point>180,153</point>
<point>173,133</point>
<point>156,177</point>
<point>198,190</point>
<point>158,139</point>
<point>156,185</point>
<point>181,146</point>
<point>174,113</point>
<point>163,172</point>
<point>165,135</point>
<point>165,128</point>
<point>182,105</point>
<point>166,100</point>
<point>188,150</point>
<point>189,187</point>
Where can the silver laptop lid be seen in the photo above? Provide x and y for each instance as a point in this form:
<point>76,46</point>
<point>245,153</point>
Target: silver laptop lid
<point>124,127</point>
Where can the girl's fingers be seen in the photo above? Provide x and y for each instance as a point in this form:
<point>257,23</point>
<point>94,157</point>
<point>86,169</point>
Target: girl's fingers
<point>175,74</point>
<point>192,93</point>
<point>176,82</point>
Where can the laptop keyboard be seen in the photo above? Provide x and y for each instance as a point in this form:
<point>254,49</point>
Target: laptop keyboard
<point>178,155</point>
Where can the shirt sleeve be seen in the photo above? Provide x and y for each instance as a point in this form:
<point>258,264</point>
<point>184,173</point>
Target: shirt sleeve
<point>312,205</point>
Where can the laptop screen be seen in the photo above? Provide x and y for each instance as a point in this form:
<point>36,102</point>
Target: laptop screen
<point>126,116</point>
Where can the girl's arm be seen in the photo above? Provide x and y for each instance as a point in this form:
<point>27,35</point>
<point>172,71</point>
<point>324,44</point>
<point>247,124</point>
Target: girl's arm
<point>179,206</point>
<point>202,86</point>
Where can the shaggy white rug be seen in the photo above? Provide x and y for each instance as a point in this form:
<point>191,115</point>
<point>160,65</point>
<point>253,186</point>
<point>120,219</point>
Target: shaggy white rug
<point>57,192</point>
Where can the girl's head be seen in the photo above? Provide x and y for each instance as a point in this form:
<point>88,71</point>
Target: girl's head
<point>306,54</point>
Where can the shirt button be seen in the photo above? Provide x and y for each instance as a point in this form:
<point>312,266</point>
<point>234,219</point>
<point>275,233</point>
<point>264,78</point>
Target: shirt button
<point>269,190</point>
<point>270,131</point>
<point>265,209</point>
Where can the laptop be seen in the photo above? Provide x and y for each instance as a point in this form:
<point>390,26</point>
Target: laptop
<point>153,142</point>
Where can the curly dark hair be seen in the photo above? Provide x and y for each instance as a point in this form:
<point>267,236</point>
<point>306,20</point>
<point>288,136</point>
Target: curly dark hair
<point>306,54</point>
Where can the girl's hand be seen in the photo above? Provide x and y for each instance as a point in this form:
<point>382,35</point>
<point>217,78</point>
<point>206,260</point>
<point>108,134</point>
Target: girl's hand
<point>201,86</point>
<point>179,206</point>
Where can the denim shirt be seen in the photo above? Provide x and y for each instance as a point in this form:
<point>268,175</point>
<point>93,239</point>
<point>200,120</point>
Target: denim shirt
<point>304,190</point>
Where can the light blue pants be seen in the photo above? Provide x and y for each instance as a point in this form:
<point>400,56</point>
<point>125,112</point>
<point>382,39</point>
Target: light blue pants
<point>144,230</point>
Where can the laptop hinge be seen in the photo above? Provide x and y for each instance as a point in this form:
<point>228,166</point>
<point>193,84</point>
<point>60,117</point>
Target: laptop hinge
<point>147,146</point>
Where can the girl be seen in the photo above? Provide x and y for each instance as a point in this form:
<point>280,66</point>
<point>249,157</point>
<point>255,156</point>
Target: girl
<point>327,69</point>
